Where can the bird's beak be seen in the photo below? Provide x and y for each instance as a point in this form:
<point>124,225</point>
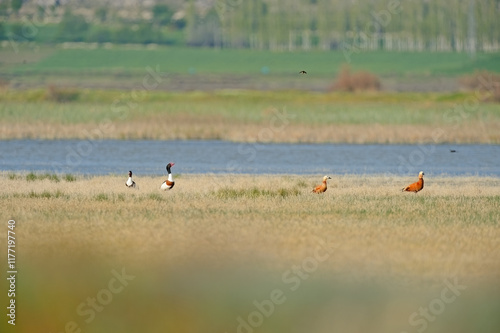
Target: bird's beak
<point>172,163</point>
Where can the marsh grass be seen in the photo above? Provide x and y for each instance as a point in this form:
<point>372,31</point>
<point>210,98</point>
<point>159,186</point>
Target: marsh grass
<point>69,177</point>
<point>254,192</point>
<point>31,177</point>
<point>12,176</point>
<point>242,115</point>
<point>202,253</point>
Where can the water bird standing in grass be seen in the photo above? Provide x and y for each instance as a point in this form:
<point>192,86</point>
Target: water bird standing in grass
<point>130,182</point>
<point>169,183</point>
<point>322,187</point>
<point>417,186</point>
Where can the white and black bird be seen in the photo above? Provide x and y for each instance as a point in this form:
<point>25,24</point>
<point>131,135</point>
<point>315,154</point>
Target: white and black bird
<point>169,183</point>
<point>130,182</point>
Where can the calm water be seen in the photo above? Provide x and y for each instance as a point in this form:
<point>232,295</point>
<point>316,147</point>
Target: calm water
<point>150,157</point>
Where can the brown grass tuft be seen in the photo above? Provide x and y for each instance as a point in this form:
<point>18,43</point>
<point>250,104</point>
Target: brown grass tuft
<point>358,81</point>
<point>484,82</point>
<point>61,95</point>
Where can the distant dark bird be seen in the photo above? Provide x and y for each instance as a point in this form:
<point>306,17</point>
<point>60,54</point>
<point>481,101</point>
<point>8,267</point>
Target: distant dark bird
<point>417,186</point>
<point>130,182</point>
<point>302,72</point>
<point>322,187</point>
<point>169,183</point>
<point>453,151</point>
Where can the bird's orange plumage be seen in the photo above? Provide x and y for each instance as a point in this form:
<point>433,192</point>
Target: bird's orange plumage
<point>322,187</point>
<point>417,186</point>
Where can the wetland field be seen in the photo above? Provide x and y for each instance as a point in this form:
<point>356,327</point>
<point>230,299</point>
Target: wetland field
<point>226,252</point>
<point>214,252</point>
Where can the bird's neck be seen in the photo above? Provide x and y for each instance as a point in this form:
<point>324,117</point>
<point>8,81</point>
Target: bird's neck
<point>170,177</point>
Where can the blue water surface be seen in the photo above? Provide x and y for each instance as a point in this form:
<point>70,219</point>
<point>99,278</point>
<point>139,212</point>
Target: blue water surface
<point>102,157</point>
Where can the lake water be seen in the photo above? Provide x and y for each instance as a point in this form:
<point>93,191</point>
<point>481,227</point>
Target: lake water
<point>150,157</point>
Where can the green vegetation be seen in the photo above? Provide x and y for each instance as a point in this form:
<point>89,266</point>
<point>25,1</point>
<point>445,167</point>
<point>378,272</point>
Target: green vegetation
<point>242,116</point>
<point>69,177</point>
<point>46,195</point>
<point>230,193</point>
<point>32,177</point>
<point>179,60</point>
<point>101,197</point>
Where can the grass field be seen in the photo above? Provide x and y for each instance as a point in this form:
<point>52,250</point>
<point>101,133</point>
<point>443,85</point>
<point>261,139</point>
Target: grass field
<point>362,257</point>
<point>181,60</point>
<point>245,115</point>
<point>205,69</point>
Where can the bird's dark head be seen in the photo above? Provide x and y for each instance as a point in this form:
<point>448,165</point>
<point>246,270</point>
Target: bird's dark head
<point>169,165</point>
<point>130,173</point>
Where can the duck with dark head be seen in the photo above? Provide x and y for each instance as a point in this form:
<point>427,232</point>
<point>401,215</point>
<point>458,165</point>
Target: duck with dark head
<point>169,183</point>
<point>130,182</point>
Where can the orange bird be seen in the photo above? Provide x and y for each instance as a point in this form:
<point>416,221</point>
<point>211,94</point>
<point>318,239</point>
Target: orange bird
<point>322,187</point>
<point>417,186</point>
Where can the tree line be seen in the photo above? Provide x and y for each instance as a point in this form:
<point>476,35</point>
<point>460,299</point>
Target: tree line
<point>438,25</point>
<point>348,25</point>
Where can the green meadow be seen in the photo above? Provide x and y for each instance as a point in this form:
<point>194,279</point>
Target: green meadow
<point>181,68</point>
<point>231,61</point>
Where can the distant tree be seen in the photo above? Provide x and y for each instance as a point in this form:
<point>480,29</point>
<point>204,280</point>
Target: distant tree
<point>2,31</point>
<point>101,14</point>
<point>4,9</point>
<point>123,35</point>
<point>100,34</point>
<point>40,12</point>
<point>146,34</point>
<point>16,5</point>
<point>162,14</point>
<point>72,28</point>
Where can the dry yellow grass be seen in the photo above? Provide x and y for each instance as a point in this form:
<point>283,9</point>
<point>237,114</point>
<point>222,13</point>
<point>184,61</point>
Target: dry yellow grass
<point>451,227</point>
<point>188,128</point>
<point>202,253</point>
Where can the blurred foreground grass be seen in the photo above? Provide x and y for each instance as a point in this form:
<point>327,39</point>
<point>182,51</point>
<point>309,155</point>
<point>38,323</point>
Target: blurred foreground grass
<point>234,253</point>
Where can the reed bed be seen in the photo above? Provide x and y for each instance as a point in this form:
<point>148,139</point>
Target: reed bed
<point>246,116</point>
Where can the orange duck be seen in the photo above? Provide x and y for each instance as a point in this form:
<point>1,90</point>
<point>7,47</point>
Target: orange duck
<point>417,186</point>
<point>322,187</point>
